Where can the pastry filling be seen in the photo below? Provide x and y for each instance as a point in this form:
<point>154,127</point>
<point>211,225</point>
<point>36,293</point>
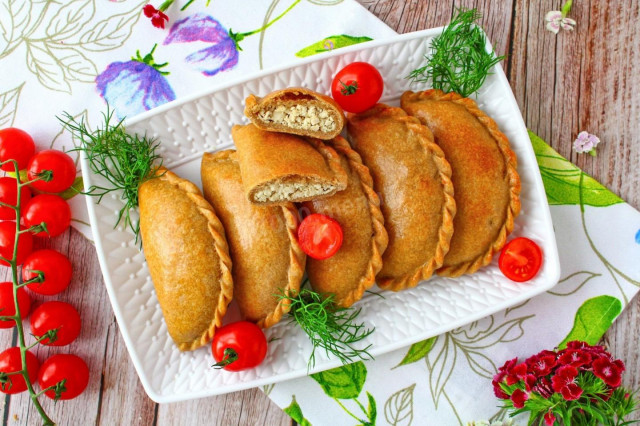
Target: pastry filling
<point>291,191</point>
<point>299,116</point>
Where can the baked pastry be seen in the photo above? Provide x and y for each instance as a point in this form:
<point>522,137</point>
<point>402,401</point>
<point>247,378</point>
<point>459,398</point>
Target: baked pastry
<point>487,185</point>
<point>267,260</point>
<point>277,167</point>
<point>298,111</point>
<point>413,179</point>
<point>188,258</point>
<point>352,270</point>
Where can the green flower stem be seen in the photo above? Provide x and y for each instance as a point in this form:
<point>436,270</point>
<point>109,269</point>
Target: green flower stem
<point>238,37</point>
<point>18,319</point>
<point>347,411</point>
<point>166,3</point>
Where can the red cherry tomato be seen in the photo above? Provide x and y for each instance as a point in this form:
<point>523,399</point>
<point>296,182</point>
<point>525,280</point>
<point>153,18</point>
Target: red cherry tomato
<point>9,195</point>
<point>7,240</point>
<point>520,259</point>
<point>320,236</point>
<point>55,267</point>
<point>50,209</point>
<point>15,144</point>
<point>59,163</point>
<point>64,366</point>
<point>10,361</point>
<point>56,315</point>
<point>239,346</point>
<point>7,304</point>
<point>357,87</point>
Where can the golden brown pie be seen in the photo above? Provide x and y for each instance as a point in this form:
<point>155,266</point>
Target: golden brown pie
<point>487,185</point>
<point>277,167</point>
<point>188,258</point>
<point>352,270</point>
<point>296,110</point>
<point>412,177</point>
<point>267,260</point>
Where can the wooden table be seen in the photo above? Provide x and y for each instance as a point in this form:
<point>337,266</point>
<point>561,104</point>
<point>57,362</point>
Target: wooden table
<point>588,79</point>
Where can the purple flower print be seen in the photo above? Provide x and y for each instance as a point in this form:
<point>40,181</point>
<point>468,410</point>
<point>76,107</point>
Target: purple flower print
<point>220,56</point>
<point>134,86</point>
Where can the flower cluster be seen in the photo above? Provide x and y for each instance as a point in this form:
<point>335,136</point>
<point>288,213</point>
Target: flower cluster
<point>586,143</point>
<point>579,384</point>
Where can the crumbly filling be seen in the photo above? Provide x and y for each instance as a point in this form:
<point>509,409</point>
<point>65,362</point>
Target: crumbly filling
<point>299,116</point>
<point>291,191</point>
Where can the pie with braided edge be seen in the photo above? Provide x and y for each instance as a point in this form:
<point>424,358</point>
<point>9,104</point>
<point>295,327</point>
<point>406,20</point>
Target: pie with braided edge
<point>188,258</point>
<point>267,260</point>
<point>484,175</point>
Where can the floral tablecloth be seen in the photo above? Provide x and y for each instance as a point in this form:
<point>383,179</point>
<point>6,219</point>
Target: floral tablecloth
<point>77,55</point>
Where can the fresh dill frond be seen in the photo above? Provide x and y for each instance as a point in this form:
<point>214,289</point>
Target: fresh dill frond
<point>329,326</point>
<point>124,160</point>
<point>459,61</point>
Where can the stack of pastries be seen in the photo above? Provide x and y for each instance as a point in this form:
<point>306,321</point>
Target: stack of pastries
<point>430,187</point>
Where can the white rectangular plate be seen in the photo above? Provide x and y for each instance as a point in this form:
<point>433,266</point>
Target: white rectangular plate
<point>188,127</point>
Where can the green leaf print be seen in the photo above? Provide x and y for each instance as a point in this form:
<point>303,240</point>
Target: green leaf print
<point>593,319</point>
<point>8,106</point>
<point>417,351</point>
<point>561,179</point>
<point>295,412</point>
<point>343,382</point>
<point>372,410</point>
<point>398,410</point>
<point>331,43</point>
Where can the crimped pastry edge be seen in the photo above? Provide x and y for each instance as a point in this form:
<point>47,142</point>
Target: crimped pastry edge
<point>254,103</point>
<point>297,258</point>
<point>513,177</point>
<point>380,238</point>
<point>446,230</point>
<point>222,249</point>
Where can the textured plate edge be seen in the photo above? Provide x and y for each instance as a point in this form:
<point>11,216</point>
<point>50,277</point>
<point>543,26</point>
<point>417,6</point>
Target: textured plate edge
<point>554,258</point>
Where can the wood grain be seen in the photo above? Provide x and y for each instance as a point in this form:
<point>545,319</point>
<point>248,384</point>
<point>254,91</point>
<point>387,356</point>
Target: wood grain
<point>588,79</point>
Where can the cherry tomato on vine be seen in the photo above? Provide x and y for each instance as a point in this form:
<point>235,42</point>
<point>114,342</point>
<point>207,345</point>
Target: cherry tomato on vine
<point>50,209</point>
<point>9,195</point>
<point>60,367</point>
<point>357,87</point>
<point>10,361</point>
<point>56,315</point>
<point>7,242</point>
<point>7,304</point>
<point>56,269</point>
<point>239,346</point>
<point>319,236</point>
<point>520,259</point>
<point>15,144</point>
<point>60,164</point>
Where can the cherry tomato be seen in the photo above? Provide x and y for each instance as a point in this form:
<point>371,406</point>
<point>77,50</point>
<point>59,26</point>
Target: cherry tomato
<point>320,236</point>
<point>520,259</point>
<point>59,163</point>
<point>9,195</point>
<point>64,366</point>
<point>7,240</point>
<point>10,361</point>
<point>357,87</point>
<point>56,315</point>
<point>50,209</point>
<point>15,144</point>
<point>7,305</point>
<point>239,346</point>
<point>56,269</point>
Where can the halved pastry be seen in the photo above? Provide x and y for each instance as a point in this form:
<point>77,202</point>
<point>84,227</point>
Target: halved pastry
<point>413,179</point>
<point>267,260</point>
<point>277,167</point>
<point>188,258</point>
<point>352,270</point>
<point>484,176</point>
<point>296,110</point>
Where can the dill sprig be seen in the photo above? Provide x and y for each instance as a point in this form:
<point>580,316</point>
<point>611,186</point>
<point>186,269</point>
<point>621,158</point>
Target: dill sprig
<point>329,326</point>
<point>124,160</point>
<point>459,61</point>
